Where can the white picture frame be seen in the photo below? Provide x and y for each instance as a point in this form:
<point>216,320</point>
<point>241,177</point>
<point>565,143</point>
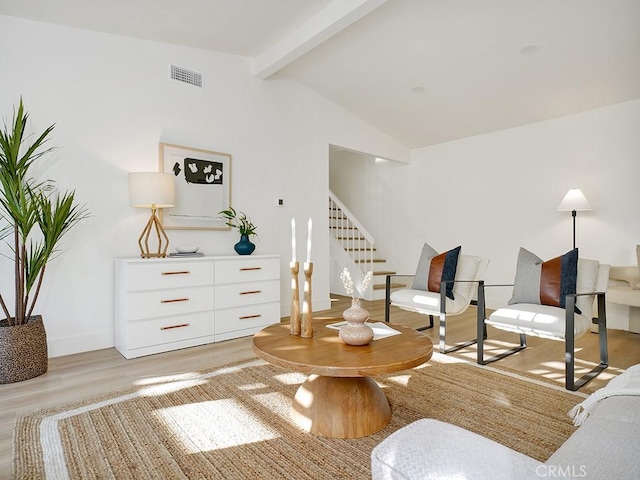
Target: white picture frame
<point>203,187</point>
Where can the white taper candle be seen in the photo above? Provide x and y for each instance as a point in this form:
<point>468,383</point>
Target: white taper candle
<point>293,240</point>
<point>309,225</point>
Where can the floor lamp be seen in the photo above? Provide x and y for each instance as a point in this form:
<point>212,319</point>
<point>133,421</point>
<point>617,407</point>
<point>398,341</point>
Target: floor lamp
<point>152,190</point>
<point>573,202</point>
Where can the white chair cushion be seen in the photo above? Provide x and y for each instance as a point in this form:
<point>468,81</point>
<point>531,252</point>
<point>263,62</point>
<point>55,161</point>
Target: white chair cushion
<point>426,302</point>
<point>537,320</point>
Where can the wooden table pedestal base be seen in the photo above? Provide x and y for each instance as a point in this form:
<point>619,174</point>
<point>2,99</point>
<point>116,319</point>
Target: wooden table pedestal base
<point>340,407</point>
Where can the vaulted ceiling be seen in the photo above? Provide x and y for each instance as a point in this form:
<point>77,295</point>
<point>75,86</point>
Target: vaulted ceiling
<point>422,71</point>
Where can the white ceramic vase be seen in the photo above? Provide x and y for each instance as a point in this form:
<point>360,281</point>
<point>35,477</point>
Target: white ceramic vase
<point>356,331</point>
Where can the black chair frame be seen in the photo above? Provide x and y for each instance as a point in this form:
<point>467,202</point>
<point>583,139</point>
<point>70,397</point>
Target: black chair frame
<point>571,383</point>
<point>442,316</point>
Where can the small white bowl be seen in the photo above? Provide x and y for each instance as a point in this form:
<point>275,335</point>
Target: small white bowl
<point>187,249</point>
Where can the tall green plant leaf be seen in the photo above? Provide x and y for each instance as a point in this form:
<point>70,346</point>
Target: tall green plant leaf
<point>34,214</point>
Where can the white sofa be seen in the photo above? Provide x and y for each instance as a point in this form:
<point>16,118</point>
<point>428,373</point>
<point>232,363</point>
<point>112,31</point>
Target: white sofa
<point>622,286</point>
<point>605,446</point>
<point>623,291</point>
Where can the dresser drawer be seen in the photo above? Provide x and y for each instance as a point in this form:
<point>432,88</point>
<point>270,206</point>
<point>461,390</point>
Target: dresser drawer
<point>251,293</point>
<point>242,318</point>
<point>247,270</point>
<point>162,303</point>
<point>146,333</point>
<point>169,274</point>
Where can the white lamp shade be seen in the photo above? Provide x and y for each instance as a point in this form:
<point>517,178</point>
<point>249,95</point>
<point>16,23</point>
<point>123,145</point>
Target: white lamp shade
<point>152,188</point>
<point>574,200</point>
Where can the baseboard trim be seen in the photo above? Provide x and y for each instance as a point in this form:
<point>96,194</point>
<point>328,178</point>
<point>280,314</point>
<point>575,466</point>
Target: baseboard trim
<point>71,344</point>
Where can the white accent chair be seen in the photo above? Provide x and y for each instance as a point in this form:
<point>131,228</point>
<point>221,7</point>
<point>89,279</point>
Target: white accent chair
<point>554,323</point>
<point>470,270</point>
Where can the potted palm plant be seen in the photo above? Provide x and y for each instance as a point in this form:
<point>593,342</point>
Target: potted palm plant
<point>245,227</point>
<point>34,216</point>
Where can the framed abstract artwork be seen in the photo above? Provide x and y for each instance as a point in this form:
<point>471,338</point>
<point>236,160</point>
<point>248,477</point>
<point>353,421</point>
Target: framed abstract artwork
<point>203,187</point>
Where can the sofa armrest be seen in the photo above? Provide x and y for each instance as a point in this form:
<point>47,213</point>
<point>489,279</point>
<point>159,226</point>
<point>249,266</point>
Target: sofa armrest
<point>431,449</point>
<point>600,448</point>
<point>630,275</point>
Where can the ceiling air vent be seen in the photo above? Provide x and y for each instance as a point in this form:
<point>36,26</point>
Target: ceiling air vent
<point>183,75</point>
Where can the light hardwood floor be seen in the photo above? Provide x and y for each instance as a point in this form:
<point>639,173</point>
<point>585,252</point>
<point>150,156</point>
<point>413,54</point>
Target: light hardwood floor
<point>77,377</point>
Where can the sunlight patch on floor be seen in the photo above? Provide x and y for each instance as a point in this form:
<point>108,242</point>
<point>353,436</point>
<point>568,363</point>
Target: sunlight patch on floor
<point>402,380</point>
<point>227,424</point>
<point>501,399</point>
<point>610,372</point>
<point>292,378</point>
<point>252,386</point>
<point>164,388</point>
<point>552,375</point>
<point>166,378</point>
<point>304,397</point>
<point>553,365</point>
<point>442,358</point>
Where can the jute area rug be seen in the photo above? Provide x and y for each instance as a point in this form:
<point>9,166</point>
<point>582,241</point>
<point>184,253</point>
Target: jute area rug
<point>234,423</point>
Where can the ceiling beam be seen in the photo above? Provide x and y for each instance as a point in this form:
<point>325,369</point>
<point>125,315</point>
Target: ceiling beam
<point>338,15</point>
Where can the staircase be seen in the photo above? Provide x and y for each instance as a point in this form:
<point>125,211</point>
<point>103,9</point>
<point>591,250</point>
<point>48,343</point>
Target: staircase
<point>353,247</point>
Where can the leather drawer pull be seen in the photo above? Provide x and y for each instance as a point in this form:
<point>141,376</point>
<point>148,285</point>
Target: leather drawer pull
<point>186,272</point>
<point>251,292</point>
<point>249,316</point>
<point>246,269</point>
<point>175,326</point>
<point>175,300</point>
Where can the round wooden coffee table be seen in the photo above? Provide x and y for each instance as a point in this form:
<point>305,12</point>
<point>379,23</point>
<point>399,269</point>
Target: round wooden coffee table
<point>338,399</point>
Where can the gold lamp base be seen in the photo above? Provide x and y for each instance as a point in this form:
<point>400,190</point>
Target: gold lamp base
<point>163,241</point>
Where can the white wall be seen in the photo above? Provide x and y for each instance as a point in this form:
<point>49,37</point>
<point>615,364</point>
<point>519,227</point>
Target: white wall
<point>354,178</point>
<point>113,103</point>
<point>494,193</point>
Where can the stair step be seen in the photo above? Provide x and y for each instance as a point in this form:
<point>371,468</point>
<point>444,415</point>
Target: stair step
<point>382,286</point>
<point>345,232</point>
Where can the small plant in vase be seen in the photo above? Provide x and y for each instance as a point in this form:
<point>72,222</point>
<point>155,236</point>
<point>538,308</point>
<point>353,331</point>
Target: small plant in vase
<point>245,227</point>
<point>356,331</point>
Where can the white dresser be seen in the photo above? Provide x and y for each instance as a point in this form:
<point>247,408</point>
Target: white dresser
<point>171,303</point>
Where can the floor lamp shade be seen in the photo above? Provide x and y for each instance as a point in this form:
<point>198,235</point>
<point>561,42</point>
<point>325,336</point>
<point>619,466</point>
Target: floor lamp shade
<point>152,190</point>
<point>574,201</point>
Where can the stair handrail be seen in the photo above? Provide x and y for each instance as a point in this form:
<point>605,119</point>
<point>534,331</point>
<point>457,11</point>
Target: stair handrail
<point>352,218</point>
<point>361,256</point>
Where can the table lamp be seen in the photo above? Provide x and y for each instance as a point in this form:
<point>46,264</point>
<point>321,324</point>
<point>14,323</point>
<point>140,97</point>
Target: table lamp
<point>152,190</point>
<point>572,202</point>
